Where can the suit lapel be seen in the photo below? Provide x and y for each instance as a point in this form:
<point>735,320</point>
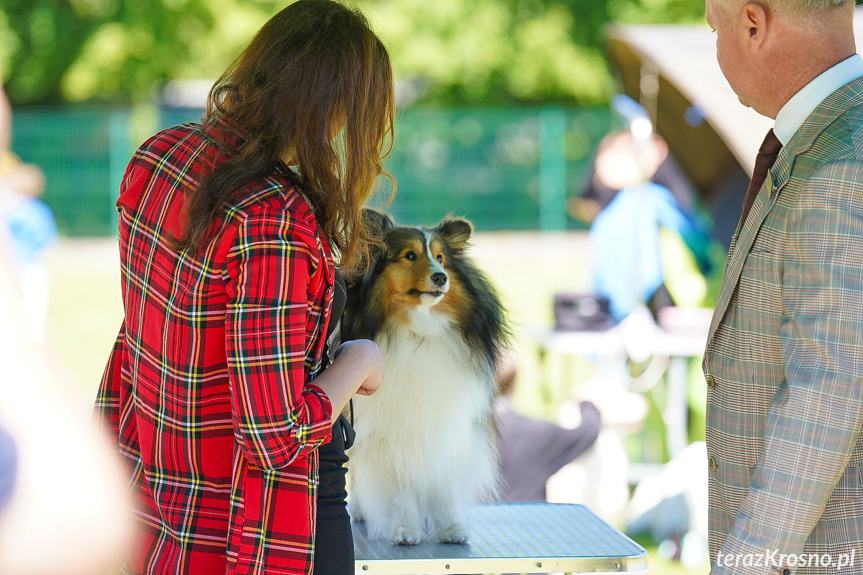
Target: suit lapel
<point>741,247</point>
<point>779,175</point>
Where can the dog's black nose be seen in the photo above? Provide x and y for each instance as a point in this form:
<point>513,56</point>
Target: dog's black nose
<point>439,278</point>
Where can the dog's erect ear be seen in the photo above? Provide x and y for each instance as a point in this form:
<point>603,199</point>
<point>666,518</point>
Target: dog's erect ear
<point>377,222</point>
<point>455,231</point>
<point>379,225</point>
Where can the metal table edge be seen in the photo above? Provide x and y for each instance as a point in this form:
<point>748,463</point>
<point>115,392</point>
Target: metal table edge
<point>478,565</point>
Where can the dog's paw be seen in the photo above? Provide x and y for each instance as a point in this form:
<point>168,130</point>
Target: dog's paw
<point>406,536</point>
<point>356,514</point>
<point>456,533</point>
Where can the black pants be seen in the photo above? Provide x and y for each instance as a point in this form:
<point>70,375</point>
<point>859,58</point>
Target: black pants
<point>334,542</point>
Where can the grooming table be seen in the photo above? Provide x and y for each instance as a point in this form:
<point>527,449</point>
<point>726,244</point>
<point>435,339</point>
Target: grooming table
<point>510,538</point>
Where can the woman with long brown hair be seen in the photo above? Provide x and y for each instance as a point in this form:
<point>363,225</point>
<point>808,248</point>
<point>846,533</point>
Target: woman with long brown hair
<point>215,390</point>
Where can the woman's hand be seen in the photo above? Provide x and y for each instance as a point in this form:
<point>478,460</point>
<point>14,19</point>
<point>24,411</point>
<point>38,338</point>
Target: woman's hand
<point>362,356</point>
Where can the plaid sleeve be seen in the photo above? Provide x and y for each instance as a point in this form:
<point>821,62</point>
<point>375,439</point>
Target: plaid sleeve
<point>277,414</point>
<point>815,418</point>
<point>107,407</point>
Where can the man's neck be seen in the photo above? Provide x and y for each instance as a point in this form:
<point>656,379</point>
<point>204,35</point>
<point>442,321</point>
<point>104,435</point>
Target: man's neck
<point>800,106</point>
<point>799,75</point>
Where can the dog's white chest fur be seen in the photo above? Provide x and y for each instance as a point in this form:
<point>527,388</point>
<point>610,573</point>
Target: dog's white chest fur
<point>424,446</point>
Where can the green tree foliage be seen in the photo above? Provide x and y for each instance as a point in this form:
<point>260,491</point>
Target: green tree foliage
<point>445,51</point>
<point>499,51</point>
<point>73,50</point>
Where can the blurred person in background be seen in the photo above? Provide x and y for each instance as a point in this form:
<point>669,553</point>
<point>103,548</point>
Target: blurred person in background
<point>8,456</point>
<point>640,207</point>
<point>784,358</point>
<point>532,450</point>
<point>215,392</point>
<point>612,170</point>
<point>61,491</point>
<point>31,228</point>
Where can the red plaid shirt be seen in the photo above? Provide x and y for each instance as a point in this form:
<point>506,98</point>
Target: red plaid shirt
<point>207,389</point>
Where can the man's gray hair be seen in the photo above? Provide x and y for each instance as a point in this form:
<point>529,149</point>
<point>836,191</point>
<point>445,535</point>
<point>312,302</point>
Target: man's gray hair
<point>806,12</point>
<point>793,5</point>
<point>812,5</point>
<point>815,4</point>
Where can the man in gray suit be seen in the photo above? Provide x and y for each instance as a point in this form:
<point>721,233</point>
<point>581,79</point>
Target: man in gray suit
<point>784,359</point>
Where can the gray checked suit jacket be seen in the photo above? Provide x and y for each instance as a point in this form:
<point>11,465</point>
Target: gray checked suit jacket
<point>784,361</point>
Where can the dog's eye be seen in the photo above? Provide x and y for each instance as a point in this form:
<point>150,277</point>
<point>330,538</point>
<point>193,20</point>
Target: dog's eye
<point>440,259</point>
<point>410,256</point>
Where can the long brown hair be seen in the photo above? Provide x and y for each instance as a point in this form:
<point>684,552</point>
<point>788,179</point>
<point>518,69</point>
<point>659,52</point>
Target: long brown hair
<point>313,67</point>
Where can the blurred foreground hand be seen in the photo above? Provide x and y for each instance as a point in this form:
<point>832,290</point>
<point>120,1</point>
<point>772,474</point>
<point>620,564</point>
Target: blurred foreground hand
<point>66,514</point>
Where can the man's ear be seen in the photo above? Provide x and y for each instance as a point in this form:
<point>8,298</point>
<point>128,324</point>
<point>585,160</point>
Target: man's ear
<point>756,19</point>
<point>377,222</point>
<point>455,231</point>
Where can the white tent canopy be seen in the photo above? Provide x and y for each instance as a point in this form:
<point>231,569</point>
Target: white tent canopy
<point>685,57</point>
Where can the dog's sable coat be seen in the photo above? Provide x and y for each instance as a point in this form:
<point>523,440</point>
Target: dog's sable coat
<point>425,445</point>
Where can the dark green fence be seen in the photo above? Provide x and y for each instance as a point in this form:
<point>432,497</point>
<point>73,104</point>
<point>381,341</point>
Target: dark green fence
<point>83,153</point>
<point>505,169</point>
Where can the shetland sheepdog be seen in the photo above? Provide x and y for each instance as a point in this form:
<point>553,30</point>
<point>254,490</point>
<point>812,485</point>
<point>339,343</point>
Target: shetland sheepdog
<point>426,445</point>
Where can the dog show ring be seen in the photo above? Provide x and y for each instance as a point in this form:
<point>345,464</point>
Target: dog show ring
<point>510,538</point>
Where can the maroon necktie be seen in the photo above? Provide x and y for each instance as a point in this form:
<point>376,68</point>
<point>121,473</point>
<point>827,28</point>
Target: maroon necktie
<point>763,162</point>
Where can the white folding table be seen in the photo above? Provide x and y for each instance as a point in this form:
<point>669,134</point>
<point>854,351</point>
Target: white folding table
<point>678,348</point>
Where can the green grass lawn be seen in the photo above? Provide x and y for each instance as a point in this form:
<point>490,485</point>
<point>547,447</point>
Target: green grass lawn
<point>86,308</point>
<point>528,268</point>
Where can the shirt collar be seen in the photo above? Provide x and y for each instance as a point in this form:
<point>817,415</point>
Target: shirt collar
<point>797,109</point>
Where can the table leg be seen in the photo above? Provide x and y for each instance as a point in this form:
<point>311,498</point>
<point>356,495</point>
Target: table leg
<point>676,406</point>
<point>544,379</point>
